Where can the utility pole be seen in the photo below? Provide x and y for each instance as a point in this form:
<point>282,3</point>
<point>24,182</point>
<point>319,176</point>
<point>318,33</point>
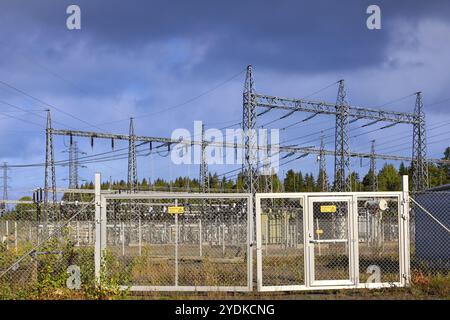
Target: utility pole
<point>4,207</point>
<point>132,170</point>
<point>204,175</point>
<point>373,168</point>
<point>323,166</point>
<point>419,152</point>
<point>342,148</point>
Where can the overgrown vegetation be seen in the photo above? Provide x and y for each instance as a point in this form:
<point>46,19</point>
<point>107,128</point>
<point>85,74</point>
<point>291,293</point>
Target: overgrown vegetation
<point>43,274</point>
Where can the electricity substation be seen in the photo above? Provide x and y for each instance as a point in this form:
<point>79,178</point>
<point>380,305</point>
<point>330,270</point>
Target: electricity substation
<point>252,239</point>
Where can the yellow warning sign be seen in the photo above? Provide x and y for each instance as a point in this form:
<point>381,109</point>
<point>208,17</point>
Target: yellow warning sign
<point>319,231</point>
<point>328,208</point>
<point>176,210</point>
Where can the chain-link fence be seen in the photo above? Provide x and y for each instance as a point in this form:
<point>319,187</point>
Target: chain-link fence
<point>379,238</point>
<point>282,241</point>
<point>178,242</point>
<point>200,242</point>
<point>430,233</point>
<point>46,258</point>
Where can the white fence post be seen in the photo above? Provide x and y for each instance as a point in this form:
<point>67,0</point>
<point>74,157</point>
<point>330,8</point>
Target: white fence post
<point>405,235</point>
<point>176,245</point>
<point>98,222</point>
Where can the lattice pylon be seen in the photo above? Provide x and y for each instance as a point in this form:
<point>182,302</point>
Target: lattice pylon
<point>419,152</point>
<point>268,170</point>
<point>342,147</point>
<point>373,168</point>
<point>73,165</point>
<point>322,166</point>
<point>250,165</point>
<point>132,165</point>
<point>204,175</point>
<point>50,172</point>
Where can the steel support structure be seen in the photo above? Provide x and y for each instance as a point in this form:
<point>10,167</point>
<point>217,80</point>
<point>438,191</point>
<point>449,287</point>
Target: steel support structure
<point>132,165</point>
<point>343,113</point>
<point>50,172</point>
<point>204,175</point>
<point>373,168</point>
<point>73,165</point>
<point>250,165</point>
<point>282,149</point>
<point>268,176</point>
<point>341,110</point>
<point>342,181</point>
<point>323,166</point>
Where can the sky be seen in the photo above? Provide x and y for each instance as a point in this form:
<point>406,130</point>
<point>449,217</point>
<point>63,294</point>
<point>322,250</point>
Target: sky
<point>170,63</point>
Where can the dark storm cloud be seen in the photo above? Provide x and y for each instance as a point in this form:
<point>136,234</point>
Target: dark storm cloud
<point>294,36</point>
<point>141,57</point>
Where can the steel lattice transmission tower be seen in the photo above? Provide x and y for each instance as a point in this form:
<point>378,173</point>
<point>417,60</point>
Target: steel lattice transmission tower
<point>132,165</point>
<point>250,165</point>
<point>419,152</point>
<point>268,170</point>
<point>268,177</point>
<point>342,148</point>
<point>323,166</point>
<point>204,175</point>
<point>73,165</point>
<point>50,174</point>
<point>373,168</point>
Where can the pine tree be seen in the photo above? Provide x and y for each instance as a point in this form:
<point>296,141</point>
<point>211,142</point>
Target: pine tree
<point>389,179</point>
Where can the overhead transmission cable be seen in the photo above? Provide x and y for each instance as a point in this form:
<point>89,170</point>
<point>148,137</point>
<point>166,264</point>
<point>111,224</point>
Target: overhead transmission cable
<point>47,104</point>
<point>178,105</point>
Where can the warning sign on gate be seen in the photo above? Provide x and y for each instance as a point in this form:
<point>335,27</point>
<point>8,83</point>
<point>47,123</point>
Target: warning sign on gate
<point>176,210</point>
<point>329,209</point>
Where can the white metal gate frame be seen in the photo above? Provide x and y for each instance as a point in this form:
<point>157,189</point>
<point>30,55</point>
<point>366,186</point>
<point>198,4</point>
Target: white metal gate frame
<point>404,250</point>
<point>100,243</point>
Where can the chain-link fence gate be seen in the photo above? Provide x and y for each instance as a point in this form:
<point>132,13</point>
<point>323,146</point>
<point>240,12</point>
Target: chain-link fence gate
<point>332,240</point>
<point>176,242</point>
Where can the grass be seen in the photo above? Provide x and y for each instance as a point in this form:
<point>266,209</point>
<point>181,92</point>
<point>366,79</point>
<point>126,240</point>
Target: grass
<point>45,276</point>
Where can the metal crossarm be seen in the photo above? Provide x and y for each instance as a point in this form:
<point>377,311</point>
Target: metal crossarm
<point>283,149</point>
<point>304,105</point>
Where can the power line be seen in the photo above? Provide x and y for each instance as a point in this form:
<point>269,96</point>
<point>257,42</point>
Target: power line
<point>47,104</point>
<point>182,103</point>
<point>32,112</point>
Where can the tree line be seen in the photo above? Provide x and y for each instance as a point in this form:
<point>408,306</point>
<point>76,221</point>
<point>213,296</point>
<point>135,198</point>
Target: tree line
<point>389,179</point>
